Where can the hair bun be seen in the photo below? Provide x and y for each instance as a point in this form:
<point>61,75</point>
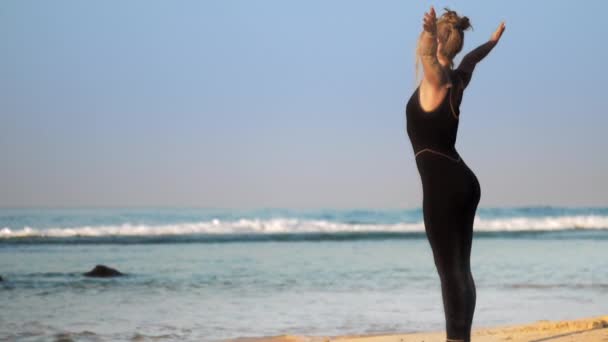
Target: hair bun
<point>460,23</point>
<point>463,24</point>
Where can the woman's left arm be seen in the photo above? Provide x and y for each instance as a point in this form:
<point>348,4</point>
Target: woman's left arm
<point>427,50</point>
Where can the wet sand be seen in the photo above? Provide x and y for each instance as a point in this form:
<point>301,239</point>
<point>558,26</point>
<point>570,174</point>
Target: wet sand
<point>593,329</point>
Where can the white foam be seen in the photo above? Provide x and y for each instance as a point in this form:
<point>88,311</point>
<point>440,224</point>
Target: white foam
<point>542,223</point>
<point>281,225</point>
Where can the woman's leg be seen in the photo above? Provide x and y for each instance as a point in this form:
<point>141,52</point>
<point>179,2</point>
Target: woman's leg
<point>449,230</point>
<point>468,241</point>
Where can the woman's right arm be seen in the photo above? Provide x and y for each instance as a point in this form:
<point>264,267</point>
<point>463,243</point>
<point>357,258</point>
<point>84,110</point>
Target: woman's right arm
<point>468,63</point>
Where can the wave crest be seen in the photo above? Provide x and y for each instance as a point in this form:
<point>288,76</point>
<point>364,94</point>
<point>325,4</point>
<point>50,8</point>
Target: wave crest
<point>295,226</point>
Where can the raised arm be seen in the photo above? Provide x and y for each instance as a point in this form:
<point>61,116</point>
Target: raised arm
<point>468,63</point>
<point>427,50</point>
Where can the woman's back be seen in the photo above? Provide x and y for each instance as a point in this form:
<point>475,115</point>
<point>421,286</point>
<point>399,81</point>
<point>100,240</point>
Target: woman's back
<point>436,129</point>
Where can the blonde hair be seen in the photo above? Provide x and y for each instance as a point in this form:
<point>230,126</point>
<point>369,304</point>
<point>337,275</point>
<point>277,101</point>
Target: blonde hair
<point>450,32</point>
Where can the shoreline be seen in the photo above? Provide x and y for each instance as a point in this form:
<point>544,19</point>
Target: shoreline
<point>591,329</point>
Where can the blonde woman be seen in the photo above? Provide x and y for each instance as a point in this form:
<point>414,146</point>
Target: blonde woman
<point>451,191</point>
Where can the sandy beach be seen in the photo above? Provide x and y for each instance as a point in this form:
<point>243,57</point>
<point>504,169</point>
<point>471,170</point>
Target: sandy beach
<point>593,329</point>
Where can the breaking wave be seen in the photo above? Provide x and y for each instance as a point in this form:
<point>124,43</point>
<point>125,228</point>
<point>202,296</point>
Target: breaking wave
<point>289,228</point>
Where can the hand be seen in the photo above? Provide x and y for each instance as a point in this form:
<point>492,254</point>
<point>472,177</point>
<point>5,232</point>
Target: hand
<point>498,33</point>
<point>430,22</point>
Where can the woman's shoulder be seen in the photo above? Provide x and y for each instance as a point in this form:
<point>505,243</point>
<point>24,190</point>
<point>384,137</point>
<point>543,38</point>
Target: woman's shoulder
<point>460,77</point>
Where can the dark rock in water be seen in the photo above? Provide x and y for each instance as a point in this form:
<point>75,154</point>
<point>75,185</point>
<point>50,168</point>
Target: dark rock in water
<point>1,279</point>
<point>63,338</point>
<point>102,271</point>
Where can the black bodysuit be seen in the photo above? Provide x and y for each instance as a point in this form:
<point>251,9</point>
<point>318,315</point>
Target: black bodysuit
<point>451,193</point>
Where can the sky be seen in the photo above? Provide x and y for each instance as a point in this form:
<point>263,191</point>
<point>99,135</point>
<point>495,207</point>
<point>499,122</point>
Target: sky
<point>292,104</point>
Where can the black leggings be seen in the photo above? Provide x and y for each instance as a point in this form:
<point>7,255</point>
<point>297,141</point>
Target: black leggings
<point>451,193</point>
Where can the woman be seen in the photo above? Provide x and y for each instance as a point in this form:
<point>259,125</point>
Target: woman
<point>451,191</point>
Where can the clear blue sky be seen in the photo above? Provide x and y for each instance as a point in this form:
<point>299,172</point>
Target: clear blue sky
<point>289,103</point>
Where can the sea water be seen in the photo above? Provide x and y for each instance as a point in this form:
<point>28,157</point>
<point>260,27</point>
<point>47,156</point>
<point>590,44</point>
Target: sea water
<point>208,275</point>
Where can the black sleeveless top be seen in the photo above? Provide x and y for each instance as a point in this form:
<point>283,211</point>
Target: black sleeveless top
<point>437,129</point>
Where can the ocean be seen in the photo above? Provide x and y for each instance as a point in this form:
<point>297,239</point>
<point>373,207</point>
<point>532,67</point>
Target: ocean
<point>216,274</point>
